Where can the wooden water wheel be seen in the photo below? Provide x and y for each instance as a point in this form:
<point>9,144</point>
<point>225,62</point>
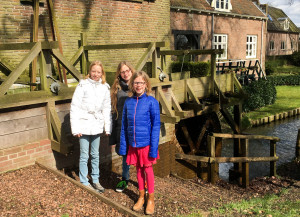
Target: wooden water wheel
<point>192,136</point>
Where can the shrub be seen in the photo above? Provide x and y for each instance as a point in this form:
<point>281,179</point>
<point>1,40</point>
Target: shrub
<point>285,80</point>
<point>295,58</point>
<point>270,69</point>
<point>197,69</point>
<point>260,93</point>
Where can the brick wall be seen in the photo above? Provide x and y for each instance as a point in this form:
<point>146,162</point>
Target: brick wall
<point>104,21</point>
<point>25,155</point>
<point>277,38</point>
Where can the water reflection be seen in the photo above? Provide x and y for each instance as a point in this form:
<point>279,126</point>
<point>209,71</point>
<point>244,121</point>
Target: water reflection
<point>286,130</point>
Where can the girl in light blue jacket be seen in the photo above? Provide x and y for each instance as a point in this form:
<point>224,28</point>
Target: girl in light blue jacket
<point>90,115</point>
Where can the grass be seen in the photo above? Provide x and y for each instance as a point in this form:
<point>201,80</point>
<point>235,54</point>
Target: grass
<point>287,69</point>
<point>288,98</point>
<point>269,205</point>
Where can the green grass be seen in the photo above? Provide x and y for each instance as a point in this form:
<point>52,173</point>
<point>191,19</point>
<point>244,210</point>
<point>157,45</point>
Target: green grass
<point>287,69</point>
<point>269,205</point>
<point>288,98</point>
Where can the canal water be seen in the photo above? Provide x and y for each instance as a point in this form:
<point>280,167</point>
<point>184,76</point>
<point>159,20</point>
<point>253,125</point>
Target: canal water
<point>286,130</point>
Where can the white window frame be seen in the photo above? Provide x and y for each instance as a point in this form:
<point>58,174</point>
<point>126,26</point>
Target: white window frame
<point>271,45</point>
<point>282,45</point>
<point>220,42</point>
<point>251,46</point>
<point>222,5</point>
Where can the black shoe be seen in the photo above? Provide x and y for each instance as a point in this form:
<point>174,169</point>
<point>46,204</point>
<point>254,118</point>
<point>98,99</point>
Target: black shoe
<point>121,186</point>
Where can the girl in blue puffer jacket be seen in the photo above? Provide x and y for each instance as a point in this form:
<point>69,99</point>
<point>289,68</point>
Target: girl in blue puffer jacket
<point>140,135</point>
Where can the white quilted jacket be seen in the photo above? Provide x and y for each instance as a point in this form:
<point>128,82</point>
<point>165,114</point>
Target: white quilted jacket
<point>90,112</point>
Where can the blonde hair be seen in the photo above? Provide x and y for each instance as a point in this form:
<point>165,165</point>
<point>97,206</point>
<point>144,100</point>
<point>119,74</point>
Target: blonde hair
<point>145,77</point>
<point>98,63</point>
<point>116,86</point>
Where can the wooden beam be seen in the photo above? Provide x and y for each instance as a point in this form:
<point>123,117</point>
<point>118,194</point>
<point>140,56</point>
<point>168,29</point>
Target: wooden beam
<point>29,46</point>
<point>167,119</point>
<point>230,120</point>
<point>62,60</point>
<point>242,159</point>
<point>13,76</point>
<point>121,46</point>
<point>75,59</point>
<point>145,56</point>
<point>164,103</point>
<point>191,93</point>
<point>179,156</point>
<point>245,165</point>
<point>245,136</point>
<point>273,154</point>
<point>196,52</point>
<point>188,138</point>
<point>43,72</point>
<point>55,122</point>
<point>36,9</point>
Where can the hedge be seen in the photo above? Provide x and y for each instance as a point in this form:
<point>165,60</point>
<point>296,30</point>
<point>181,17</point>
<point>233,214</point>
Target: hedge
<point>197,69</point>
<point>285,80</point>
<point>260,93</point>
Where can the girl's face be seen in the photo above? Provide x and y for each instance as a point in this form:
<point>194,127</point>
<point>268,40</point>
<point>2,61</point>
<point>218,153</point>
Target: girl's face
<point>139,86</point>
<point>96,73</point>
<point>125,73</point>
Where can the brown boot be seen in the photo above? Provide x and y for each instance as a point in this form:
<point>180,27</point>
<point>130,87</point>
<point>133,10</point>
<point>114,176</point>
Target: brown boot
<point>139,204</point>
<point>150,204</point>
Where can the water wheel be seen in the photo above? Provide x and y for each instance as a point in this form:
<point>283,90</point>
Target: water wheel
<point>192,136</point>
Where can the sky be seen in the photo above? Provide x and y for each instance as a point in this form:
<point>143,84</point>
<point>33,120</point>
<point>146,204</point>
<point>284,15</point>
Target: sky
<point>291,10</point>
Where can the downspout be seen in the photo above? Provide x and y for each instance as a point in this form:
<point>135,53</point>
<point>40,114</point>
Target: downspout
<point>212,30</point>
<point>262,43</point>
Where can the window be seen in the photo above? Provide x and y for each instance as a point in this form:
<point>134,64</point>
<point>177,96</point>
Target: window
<point>271,47</point>
<point>282,47</point>
<point>221,5</point>
<point>251,46</point>
<point>284,22</point>
<point>220,42</point>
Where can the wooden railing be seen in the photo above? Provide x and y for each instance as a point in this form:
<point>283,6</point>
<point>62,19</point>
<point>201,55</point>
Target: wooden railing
<point>243,159</point>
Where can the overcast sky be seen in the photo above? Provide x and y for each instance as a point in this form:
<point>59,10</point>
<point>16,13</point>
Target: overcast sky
<point>291,10</point>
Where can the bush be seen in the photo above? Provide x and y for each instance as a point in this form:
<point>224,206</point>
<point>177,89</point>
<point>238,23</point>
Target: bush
<point>295,58</point>
<point>197,69</point>
<point>260,93</point>
<point>270,69</point>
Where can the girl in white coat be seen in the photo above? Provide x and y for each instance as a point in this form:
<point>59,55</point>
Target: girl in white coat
<point>90,115</point>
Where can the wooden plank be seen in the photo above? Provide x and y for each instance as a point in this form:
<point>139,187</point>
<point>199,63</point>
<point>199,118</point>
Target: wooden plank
<point>62,60</point>
<point>13,76</point>
<point>84,56</point>
<point>36,9</point>
<point>192,93</point>
<point>245,136</point>
<point>230,120</point>
<point>20,125</point>
<point>185,52</point>
<point>145,57</point>
<point>76,56</point>
<point>54,120</point>
<point>180,156</point>
<point>29,46</point>
<point>188,138</point>
<point>175,103</point>
<point>23,137</point>
<point>164,103</point>
<point>245,165</point>
<point>122,46</point>
<point>21,114</point>
<point>5,67</point>
<point>34,97</point>
<point>43,72</point>
<point>273,154</point>
<point>242,159</point>
<point>212,166</point>
<point>155,54</point>
<point>168,119</point>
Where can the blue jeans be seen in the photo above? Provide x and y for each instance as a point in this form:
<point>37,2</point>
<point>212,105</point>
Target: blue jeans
<point>85,141</point>
<point>125,168</point>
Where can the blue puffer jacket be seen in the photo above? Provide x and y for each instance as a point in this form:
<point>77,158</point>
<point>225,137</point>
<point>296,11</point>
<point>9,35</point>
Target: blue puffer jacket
<point>140,124</point>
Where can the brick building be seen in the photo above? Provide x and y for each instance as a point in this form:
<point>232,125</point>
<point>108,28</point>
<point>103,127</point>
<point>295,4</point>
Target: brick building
<point>237,26</point>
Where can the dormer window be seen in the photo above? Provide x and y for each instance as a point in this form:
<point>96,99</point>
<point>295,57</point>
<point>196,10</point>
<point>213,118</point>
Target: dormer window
<point>284,22</point>
<point>221,5</point>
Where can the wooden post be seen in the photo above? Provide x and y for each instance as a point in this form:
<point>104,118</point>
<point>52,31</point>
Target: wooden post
<point>298,146</point>
<point>272,154</point>
<point>245,166</point>
<point>155,55</point>
<point>212,167</point>
<point>213,72</point>
<point>43,72</point>
<point>237,115</point>
<point>35,34</point>
<point>84,56</point>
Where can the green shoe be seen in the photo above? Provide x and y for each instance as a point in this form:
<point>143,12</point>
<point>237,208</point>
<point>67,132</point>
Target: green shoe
<point>121,186</point>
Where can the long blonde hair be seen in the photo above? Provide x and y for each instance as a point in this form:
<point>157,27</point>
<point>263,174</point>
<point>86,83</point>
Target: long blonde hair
<point>145,77</point>
<point>116,86</point>
<point>98,63</point>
